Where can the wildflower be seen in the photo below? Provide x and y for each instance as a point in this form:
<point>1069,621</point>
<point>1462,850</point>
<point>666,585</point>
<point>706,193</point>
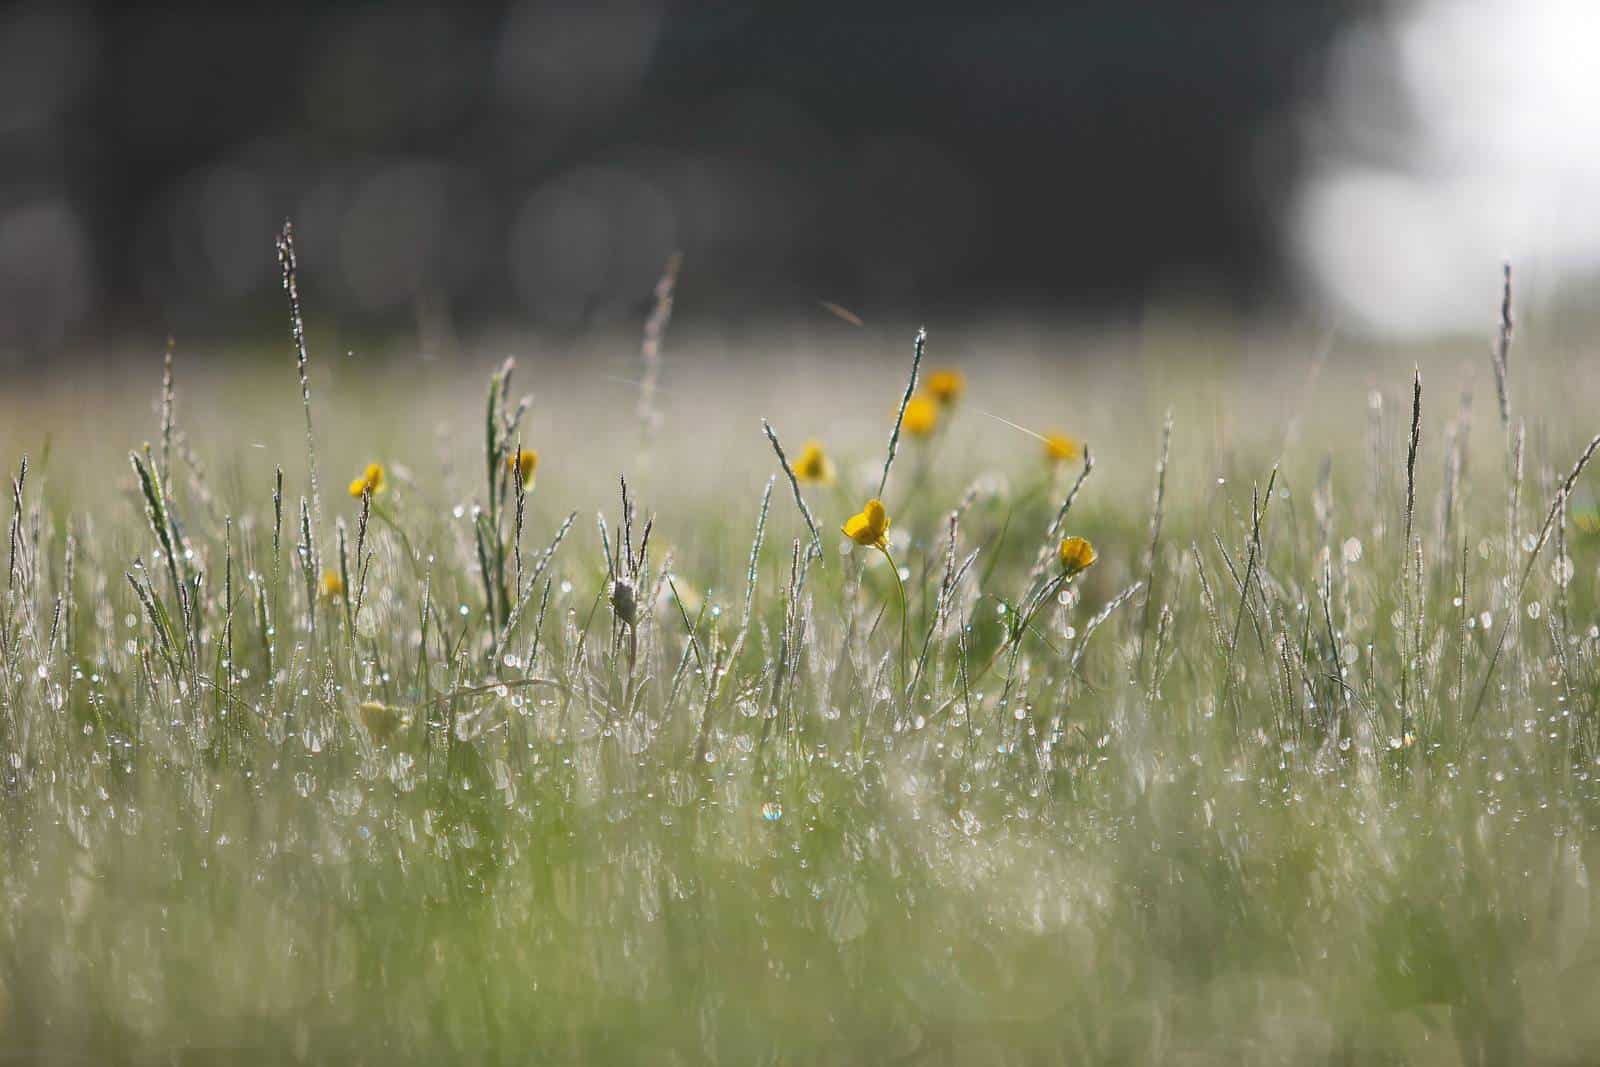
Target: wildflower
<point>1587,521</point>
<point>370,482</point>
<point>1077,555</point>
<point>379,719</point>
<point>525,464</point>
<point>814,465</point>
<point>1059,448</point>
<point>921,416</point>
<point>946,386</point>
<point>869,526</point>
<point>332,585</point>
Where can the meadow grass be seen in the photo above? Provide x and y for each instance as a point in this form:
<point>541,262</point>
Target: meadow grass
<point>658,770</point>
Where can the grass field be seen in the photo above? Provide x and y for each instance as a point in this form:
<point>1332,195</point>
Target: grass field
<point>1298,770</point>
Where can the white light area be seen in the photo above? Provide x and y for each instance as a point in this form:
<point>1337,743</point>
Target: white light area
<point>1497,158</point>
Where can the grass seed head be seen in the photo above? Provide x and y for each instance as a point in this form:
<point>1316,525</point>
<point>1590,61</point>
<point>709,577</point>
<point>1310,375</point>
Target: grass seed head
<point>624,602</point>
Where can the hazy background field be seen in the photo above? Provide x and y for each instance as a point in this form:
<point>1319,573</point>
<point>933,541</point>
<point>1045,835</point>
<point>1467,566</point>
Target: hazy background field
<point>528,167</point>
<point>1235,389</point>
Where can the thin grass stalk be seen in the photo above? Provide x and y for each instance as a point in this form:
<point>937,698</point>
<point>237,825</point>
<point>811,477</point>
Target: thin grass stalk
<point>69,556</point>
<point>1336,655</point>
<point>227,602</point>
<point>544,562</point>
<point>363,557</point>
<point>794,484</point>
<point>307,551</point>
<point>755,558</point>
<point>347,595</point>
<point>1047,547</point>
<point>1410,591</point>
<point>1152,548</point>
<point>1501,355</point>
<point>1259,511</point>
<point>15,558</point>
<point>1527,570</point>
<point>289,265</point>
<point>911,387</point>
<point>520,488</point>
<point>655,329</point>
<point>167,406</point>
<point>1098,619</point>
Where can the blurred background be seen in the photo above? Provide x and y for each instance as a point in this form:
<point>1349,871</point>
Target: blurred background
<point>529,167</point>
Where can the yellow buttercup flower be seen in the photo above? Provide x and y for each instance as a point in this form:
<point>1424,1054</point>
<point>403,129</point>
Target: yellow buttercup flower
<point>524,464</point>
<point>869,528</point>
<point>370,481</point>
<point>869,525</point>
<point>1059,448</point>
<point>332,585</point>
<point>946,386</point>
<point>814,465</point>
<point>1077,555</point>
<point>921,417</point>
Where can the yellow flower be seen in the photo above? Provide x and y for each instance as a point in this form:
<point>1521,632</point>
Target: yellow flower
<point>921,417</point>
<point>1059,448</point>
<point>1587,522</point>
<point>814,465</point>
<point>332,585</point>
<point>869,525</point>
<point>1077,555</point>
<point>379,719</point>
<point>946,386</point>
<point>371,481</point>
<point>525,463</point>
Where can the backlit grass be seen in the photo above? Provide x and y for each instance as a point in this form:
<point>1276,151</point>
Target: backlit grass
<point>1289,759</point>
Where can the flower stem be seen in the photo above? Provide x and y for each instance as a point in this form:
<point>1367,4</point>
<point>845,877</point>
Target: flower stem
<point>894,569</point>
<point>405,542</point>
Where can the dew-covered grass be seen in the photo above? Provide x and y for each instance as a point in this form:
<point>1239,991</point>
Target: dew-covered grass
<point>1266,783</point>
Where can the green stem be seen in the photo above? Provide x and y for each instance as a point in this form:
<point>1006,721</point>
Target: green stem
<point>405,542</point>
<point>894,568</point>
